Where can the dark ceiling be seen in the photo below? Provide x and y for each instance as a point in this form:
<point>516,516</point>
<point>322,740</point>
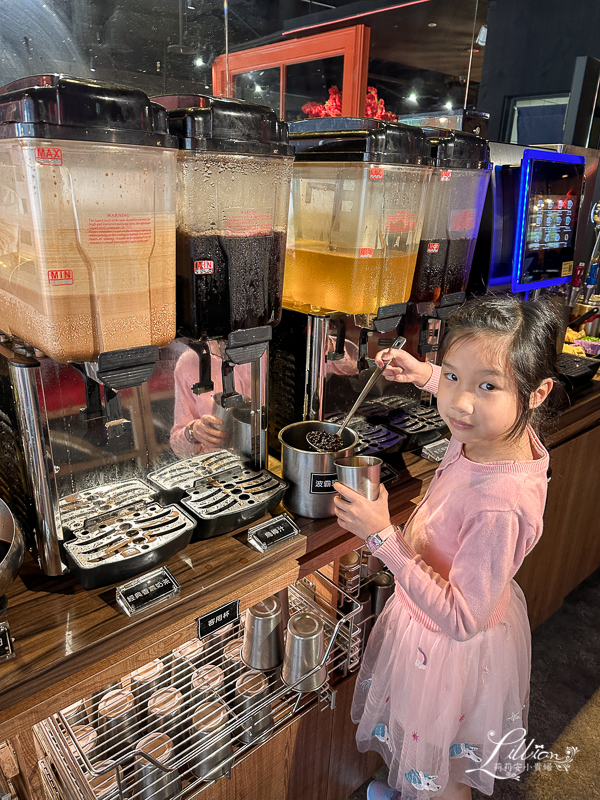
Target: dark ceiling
<point>137,42</point>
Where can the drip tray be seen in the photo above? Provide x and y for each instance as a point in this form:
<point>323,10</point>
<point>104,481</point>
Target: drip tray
<point>233,498</point>
<point>120,544</point>
<point>76,508</point>
<point>184,474</point>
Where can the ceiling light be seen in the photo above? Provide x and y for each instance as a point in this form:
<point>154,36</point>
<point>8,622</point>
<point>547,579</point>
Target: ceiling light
<point>412,97</point>
<point>199,62</point>
<point>448,105</point>
<point>257,89</point>
<point>482,36</point>
<point>432,24</point>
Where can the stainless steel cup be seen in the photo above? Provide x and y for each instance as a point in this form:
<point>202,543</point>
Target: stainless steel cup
<point>76,714</point>
<point>382,588</point>
<point>105,785</point>
<point>185,659</point>
<point>251,689</point>
<point>166,712</point>
<point>86,739</point>
<point>363,618</point>
<point>370,565</point>
<point>304,650</point>
<point>233,666</point>
<point>143,683</point>
<point>361,473</point>
<point>149,782</point>
<point>208,684</point>
<point>311,474</point>
<point>349,573</point>
<point>92,703</point>
<point>213,754</point>
<point>215,642</point>
<point>117,723</point>
<point>263,635</point>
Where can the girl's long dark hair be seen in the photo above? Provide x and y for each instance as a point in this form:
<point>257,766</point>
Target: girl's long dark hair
<point>526,334</point>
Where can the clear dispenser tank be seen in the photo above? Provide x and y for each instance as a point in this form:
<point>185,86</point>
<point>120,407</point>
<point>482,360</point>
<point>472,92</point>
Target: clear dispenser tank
<point>87,218</point>
<point>234,173</point>
<point>454,207</point>
<point>358,199</point>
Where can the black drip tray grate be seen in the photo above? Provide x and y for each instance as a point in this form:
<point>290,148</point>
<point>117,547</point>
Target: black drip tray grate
<point>76,508</point>
<point>184,474</point>
<point>120,544</point>
<point>233,498</point>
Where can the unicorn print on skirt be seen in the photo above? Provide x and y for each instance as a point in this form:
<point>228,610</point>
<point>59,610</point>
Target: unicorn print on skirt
<point>421,780</point>
<point>458,750</point>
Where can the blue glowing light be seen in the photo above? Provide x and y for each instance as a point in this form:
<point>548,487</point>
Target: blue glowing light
<point>529,156</point>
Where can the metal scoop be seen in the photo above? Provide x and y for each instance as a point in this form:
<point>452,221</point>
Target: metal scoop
<point>325,442</point>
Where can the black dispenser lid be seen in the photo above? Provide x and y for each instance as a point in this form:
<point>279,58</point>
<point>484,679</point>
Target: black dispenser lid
<point>220,124</point>
<point>359,139</point>
<point>458,150</point>
<point>62,107</point>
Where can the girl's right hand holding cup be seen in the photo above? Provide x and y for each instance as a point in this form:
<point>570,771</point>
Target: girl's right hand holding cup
<point>401,367</point>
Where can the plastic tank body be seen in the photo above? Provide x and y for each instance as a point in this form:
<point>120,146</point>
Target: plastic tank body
<point>233,184</point>
<point>87,214</point>
<point>358,199</point>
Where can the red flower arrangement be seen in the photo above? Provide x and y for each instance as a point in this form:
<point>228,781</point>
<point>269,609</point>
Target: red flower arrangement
<point>374,107</point>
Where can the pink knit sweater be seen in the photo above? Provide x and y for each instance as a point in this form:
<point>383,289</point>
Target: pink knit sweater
<point>467,538</point>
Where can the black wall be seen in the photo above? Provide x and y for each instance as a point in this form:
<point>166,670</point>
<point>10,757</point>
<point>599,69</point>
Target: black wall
<point>531,50</point>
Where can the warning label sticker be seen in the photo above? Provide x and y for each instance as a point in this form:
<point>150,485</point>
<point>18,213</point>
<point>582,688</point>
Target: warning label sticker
<point>445,175</point>
<point>60,277</point>
<point>567,269</point>
<point>366,252</point>
<point>120,229</point>
<point>248,221</point>
<point>433,247</point>
<point>400,222</point>
<point>376,173</point>
<point>204,267</point>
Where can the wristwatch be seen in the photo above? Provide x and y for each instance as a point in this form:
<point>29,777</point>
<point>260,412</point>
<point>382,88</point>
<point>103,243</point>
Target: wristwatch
<point>188,432</point>
<point>375,540</point>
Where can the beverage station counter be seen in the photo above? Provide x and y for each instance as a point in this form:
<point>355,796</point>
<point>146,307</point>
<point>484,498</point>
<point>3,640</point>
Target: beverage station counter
<point>71,642</point>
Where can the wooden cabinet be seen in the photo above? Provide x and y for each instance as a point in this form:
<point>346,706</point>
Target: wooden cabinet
<point>569,549</point>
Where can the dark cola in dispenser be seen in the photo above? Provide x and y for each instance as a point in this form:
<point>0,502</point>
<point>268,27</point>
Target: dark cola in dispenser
<point>454,206</point>
<point>234,173</point>
<point>227,282</point>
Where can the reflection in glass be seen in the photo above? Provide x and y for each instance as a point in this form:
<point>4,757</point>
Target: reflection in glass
<point>311,81</point>
<point>260,86</point>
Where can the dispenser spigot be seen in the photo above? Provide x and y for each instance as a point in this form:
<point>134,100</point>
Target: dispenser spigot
<point>205,383</point>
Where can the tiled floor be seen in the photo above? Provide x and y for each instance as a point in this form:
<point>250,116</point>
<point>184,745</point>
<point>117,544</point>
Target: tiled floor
<point>565,703</point>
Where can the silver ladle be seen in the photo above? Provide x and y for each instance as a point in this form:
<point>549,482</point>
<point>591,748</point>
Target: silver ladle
<point>332,442</point>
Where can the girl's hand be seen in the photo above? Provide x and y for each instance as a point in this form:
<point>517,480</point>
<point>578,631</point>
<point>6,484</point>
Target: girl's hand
<point>358,515</point>
<point>208,431</point>
<point>403,368</point>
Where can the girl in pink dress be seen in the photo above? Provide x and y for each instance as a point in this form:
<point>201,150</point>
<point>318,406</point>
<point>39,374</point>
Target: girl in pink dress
<point>443,689</point>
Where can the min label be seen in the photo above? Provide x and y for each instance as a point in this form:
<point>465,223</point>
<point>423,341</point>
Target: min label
<point>60,277</point>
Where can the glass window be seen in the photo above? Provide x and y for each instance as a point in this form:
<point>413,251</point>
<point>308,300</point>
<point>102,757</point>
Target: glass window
<point>310,82</point>
<point>260,86</point>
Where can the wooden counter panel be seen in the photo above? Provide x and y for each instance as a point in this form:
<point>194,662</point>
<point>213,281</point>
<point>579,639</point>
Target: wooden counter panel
<point>61,629</point>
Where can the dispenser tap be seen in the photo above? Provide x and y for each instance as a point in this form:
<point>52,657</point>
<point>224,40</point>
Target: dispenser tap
<point>202,349</point>
<point>229,397</point>
<point>339,324</point>
<point>363,350</point>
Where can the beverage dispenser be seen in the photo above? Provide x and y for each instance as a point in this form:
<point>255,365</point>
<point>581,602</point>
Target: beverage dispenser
<point>87,214</point>
<point>454,208</point>
<point>234,172</point>
<point>357,204</point>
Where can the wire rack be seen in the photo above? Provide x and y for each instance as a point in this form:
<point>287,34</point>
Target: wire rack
<point>87,765</point>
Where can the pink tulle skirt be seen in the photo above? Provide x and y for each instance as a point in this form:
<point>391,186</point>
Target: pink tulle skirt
<point>436,708</point>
